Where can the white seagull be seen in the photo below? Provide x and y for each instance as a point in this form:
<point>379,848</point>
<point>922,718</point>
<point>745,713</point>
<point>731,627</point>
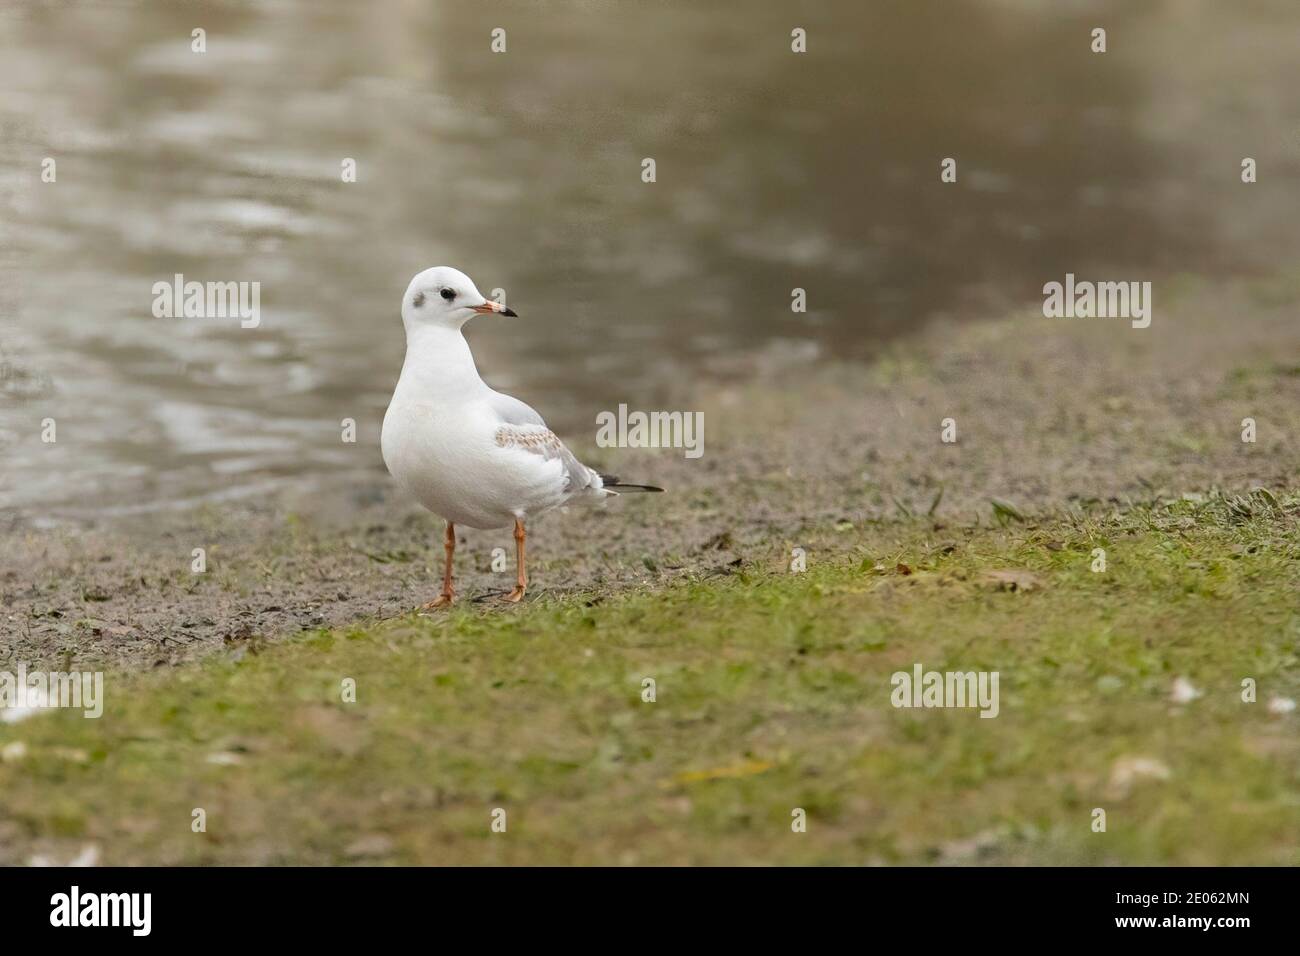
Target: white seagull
<point>463,450</point>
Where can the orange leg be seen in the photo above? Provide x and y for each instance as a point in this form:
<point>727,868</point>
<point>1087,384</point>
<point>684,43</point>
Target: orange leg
<point>448,593</point>
<point>521,583</point>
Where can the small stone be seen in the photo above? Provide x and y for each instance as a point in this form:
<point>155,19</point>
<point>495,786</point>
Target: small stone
<point>1129,770</point>
<point>13,751</point>
<point>373,844</point>
<point>225,759</point>
<point>1183,691</point>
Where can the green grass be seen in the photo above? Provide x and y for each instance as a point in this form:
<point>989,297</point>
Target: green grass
<point>773,693</point>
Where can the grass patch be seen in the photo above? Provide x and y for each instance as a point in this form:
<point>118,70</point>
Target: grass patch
<point>773,693</point>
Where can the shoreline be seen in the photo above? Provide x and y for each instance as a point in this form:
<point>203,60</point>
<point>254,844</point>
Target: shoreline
<point>1101,415</point>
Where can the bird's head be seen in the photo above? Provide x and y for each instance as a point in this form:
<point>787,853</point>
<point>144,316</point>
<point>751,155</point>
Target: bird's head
<point>446,297</point>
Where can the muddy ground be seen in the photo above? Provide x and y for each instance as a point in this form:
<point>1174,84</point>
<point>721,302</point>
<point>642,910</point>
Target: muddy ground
<point>1049,413</point>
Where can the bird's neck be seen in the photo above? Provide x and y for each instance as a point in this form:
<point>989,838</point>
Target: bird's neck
<point>438,362</point>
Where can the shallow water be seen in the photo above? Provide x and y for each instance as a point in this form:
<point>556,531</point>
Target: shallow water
<point>774,170</point>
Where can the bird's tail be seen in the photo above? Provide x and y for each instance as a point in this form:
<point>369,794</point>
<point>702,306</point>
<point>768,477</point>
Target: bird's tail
<point>610,482</point>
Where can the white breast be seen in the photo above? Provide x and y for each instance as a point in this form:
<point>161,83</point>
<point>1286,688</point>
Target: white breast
<point>439,441</point>
<point>449,461</point>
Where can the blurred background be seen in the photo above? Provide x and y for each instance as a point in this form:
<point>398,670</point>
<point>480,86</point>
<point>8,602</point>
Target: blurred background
<point>774,170</point>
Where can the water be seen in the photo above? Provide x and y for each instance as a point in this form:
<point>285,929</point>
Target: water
<point>774,171</point>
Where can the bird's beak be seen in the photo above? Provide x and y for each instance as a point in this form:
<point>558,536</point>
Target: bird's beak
<point>487,307</point>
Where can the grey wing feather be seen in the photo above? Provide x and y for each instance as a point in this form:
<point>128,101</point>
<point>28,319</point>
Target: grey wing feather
<point>522,427</point>
<point>513,411</point>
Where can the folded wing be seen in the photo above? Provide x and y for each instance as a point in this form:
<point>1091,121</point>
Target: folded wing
<point>521,427</point>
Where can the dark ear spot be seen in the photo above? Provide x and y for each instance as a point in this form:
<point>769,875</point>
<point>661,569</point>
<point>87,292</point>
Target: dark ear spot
<point>418,300</point>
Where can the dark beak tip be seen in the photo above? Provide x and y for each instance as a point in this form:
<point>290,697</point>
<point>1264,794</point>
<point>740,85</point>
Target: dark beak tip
<point>510,312</point>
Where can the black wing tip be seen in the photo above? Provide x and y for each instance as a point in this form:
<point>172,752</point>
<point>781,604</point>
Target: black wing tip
<point>611,481</point>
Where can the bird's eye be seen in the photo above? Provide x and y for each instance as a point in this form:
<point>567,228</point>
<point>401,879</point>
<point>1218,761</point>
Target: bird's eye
<point>448,294</point>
